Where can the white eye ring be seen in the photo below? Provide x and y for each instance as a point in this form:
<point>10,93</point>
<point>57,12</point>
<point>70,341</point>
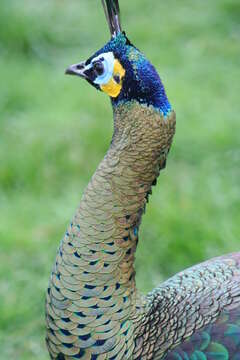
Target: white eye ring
<point>108,63</point>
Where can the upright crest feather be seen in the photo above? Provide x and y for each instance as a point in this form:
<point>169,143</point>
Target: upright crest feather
<point>112,12</point>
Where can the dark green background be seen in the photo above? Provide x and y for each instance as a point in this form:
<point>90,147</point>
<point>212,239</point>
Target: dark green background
<point>55,129</point>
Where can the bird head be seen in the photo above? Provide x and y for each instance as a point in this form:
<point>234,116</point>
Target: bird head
<point>120,70</point>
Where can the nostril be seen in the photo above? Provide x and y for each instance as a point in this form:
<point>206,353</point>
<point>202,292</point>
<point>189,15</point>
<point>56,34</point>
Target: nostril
<point>80,66</point>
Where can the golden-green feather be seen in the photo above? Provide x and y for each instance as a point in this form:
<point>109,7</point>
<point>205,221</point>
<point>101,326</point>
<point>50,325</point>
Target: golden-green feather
<point>92,302</point>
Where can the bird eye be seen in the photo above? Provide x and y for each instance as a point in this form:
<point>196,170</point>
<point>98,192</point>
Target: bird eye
<point>98,67</point>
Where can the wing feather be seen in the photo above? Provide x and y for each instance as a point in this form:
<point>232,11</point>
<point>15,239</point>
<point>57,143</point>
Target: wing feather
<point>217,341</point>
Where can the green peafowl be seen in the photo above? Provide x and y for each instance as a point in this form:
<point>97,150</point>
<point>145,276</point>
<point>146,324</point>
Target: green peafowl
<point>93,309</point>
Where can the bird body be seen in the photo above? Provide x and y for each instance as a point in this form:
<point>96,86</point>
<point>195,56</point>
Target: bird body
<point>93,309</point>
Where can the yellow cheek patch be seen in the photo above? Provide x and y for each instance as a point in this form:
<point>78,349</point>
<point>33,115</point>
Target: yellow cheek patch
<point>113,88</point>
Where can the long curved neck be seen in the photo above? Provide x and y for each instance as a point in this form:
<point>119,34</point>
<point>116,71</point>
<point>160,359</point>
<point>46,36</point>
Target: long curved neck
<point>94,276</point>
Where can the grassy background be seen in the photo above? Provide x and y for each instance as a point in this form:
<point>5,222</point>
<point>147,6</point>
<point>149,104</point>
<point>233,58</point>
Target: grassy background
<point>54,130</point>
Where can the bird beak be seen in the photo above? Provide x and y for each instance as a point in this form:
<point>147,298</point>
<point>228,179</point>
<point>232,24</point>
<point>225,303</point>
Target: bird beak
<point>77,69</point>
<point>84,71</point>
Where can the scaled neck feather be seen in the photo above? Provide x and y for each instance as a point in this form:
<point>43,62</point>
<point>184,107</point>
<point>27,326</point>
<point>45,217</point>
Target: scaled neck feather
<point>96,256</point>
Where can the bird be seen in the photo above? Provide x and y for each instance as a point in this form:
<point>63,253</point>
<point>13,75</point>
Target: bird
<point>93,307</point>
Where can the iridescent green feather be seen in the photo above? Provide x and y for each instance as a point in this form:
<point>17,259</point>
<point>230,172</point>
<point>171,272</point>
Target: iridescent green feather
<point>219,341</point>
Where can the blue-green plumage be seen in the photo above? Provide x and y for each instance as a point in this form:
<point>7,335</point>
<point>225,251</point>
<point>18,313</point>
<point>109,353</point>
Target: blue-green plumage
<point>217,341</point>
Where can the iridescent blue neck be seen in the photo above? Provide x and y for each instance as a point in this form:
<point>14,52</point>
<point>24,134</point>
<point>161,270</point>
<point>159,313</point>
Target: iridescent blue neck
<point>142,82</point>
<point>156,98</point>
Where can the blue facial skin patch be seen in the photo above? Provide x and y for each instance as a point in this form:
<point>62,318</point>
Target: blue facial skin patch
<point>107,60</point>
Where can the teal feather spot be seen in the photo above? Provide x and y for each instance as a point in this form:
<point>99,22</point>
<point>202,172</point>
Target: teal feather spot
<point>234,332</point>
<point>217,351</point>
<point>198,355</point>
<point>205,341</point>
<point>135,231</point>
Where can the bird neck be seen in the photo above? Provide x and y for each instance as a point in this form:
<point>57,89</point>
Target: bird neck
<point>104,231</point>
<point>92,295</point>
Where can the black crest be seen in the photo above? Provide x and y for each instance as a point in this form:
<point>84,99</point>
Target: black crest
<point>112,12</point>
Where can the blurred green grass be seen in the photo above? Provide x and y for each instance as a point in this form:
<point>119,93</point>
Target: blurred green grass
<point>54,130</point>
